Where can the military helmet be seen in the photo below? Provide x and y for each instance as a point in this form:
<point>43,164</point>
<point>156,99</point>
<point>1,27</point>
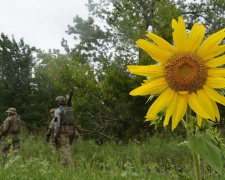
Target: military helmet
<point>61,99</point>
<point>52,111</point>
<point>11,110</point>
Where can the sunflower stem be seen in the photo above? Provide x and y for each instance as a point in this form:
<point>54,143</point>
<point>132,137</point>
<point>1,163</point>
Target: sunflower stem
<point>190,130</point>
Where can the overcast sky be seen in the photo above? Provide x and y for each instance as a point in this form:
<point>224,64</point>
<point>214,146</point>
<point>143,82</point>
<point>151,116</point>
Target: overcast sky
<point>41,23</point>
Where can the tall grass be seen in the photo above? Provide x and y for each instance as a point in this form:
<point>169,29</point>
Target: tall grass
<point>155,158</point>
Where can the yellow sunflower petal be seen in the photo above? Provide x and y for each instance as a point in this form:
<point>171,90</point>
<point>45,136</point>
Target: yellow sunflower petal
<point>150,71</point>
<point>216,110</point>
<point>167,47</point>
<point>214,95</point>
<point>216,72</point>
<point>179,34</point>
<point>179,111</point>
<point>206,104</point>
<point>193,101</point>
<point>216,82</point>
<point>219,50</point>
<point>153,87</point>
<point>183,92</point>
<point>216,62</point>
<point>170,109</point>
<point>199,120</point>
<point>152,117</point>
<point>211,43</point>
<point>161,102</point>
<point>153,50</point>
<point>195,38</point>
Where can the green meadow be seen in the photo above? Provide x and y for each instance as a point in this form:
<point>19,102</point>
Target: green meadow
<point>150,159</point>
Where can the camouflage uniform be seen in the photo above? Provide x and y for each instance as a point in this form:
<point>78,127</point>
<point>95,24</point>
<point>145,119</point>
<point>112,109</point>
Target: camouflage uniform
<point>50,134</point>
<point>63,134</point>
<point>10,133</point>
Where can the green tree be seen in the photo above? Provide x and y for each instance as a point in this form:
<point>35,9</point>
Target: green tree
<point>52,78</point>
<point>210,13</point>
<point>16,63</point>
<point>102,107</point>
<point>110,111</point>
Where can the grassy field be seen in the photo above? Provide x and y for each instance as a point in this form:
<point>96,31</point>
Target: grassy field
<point>155,158</point>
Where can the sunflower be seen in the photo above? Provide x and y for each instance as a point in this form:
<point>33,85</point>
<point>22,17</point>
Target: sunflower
<point>187,73</point>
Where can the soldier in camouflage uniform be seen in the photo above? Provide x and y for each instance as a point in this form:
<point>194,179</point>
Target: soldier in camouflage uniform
<point>10,133</point>
<point>64,129</point>
<point>50,133</point>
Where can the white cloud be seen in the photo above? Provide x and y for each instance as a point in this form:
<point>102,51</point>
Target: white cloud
<point>42,23</point>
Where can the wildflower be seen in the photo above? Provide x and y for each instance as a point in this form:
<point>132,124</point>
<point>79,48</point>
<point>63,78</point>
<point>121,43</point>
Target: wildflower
<point>10,141</point>
<point>187,73</point>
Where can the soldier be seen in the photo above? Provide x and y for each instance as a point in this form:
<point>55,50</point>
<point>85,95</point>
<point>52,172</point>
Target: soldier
<point>64,121</point>
<point>50,133</point>
<point>10,133</point>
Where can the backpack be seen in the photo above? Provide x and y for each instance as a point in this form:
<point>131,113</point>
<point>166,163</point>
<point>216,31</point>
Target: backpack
<point>16,124</point>
<point>67,116</point>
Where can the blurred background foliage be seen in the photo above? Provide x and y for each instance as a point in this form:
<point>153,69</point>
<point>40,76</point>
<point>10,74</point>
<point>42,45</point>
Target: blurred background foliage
<point>30,79</point>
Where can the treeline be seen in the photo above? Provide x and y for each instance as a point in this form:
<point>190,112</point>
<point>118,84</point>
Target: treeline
<point>31,78</point>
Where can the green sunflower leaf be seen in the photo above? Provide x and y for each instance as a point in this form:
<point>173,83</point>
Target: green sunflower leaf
<point>205,146</point>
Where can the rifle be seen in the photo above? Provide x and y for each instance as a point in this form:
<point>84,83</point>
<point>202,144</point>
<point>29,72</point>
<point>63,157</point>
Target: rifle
<point>71,95</point>
<point>48,135</point>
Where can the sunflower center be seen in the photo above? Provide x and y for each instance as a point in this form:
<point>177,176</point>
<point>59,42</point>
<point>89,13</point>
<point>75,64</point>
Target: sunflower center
<point>186,71</point>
